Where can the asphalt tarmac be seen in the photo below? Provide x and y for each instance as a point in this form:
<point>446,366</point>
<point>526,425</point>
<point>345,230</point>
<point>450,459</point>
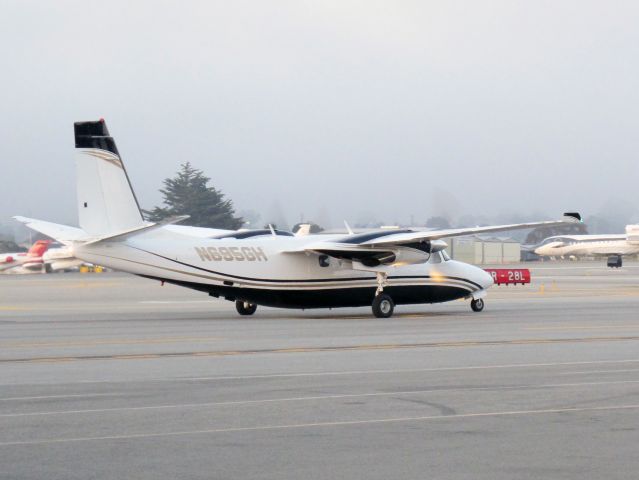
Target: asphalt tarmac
<point>116,377</point>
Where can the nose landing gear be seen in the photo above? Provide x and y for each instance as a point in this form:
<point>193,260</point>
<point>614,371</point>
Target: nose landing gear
<point>383,304</point>
<point>477,305</point>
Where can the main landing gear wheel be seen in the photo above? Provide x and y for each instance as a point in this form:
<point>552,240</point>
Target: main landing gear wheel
<point>245,308</point>
<point>383,306</point>
<point>477,305</point>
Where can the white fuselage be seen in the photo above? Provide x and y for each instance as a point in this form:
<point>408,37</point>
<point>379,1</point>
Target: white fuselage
<point>271,270</point>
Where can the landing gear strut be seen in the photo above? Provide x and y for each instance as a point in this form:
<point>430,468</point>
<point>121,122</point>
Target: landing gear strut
<point>382,281</point>
<point>245,308</point>
<point>383,304</point>
<point>477,304</point>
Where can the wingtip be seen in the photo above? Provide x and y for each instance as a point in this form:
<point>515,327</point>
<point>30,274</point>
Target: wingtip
<point>575,216</point>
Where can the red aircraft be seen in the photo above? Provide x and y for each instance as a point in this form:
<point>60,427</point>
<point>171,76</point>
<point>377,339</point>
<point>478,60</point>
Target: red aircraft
<point>31,260</point>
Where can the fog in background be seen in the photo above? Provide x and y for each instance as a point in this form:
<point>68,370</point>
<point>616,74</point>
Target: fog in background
<point>358,110</point>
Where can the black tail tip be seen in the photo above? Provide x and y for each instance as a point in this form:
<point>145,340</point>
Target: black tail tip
<point>96,128</point>
<point>574,215</point>
<point>94,134</point>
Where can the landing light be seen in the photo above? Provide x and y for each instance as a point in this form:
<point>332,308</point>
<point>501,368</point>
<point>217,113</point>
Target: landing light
<point>436,276</point>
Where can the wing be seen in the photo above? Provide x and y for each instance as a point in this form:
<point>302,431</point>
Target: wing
<point>418,236</point>
<point>392,248</point>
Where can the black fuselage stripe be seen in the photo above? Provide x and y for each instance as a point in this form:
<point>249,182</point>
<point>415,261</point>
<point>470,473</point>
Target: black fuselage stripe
<point>320,280</point>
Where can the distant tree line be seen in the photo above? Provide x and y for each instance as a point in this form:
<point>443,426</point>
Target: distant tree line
<point>189,193</point>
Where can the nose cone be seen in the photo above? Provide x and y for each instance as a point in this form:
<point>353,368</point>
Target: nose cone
<point>484,278</point>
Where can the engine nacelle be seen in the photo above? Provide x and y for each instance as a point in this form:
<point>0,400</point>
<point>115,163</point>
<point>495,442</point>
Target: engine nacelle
<point>437,246</point>
<point>411,254</point>
<point>408,256</point>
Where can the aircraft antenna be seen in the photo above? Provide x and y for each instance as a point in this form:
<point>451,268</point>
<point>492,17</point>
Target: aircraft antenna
<point>348,228</point>
<point>270,225</point>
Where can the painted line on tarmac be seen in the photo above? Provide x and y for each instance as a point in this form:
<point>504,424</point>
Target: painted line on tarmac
<point>223,353</point>
<point>596,267</point>
<point>46,397</point>
<point>346,423</point>
<point>113,341</point>
<point>406,370</point>
<point>160,302</point>
<point>579,327</point>
<point>586,372</point>
<point>316,398</point>
<point>354,372</point>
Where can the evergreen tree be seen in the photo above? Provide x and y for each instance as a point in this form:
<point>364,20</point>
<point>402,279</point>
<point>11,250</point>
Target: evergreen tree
<point>188,194</point>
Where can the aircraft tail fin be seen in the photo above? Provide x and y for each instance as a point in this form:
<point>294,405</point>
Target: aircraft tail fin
<point>106,201</point>
<point>38,248</point>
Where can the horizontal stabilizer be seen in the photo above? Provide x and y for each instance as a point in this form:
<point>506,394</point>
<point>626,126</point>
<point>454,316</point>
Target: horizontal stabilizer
<point>137,231</point>
<point>69,235</point>
<point>62,233</point>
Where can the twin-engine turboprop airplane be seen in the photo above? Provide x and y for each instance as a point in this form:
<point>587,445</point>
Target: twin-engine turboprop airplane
<point>260,267</point>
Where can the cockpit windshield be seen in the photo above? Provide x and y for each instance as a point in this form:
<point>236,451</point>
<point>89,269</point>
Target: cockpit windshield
<point>549,240</point>
<point>439,257</point>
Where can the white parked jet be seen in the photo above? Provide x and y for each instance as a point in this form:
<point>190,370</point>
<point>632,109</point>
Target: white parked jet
<point>59,258</point>
<point>611,246</point>
<point>260,267</point>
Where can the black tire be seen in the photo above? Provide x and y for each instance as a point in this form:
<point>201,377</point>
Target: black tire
<point>615,261</point>
<point>383,306</point>
<point>245,308</point>
<point>477,305</point>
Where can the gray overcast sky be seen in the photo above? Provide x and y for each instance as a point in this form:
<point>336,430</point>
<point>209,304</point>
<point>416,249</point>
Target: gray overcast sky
<point>333,109</point>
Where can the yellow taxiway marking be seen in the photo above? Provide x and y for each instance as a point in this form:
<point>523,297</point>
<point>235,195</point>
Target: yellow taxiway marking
<point>344,423</point>
<point>135,357</point>
<point>580,327</point>
<point>77,284</point>
<point>318,398</point>
<point>90,285</point>
<point>11,308</point>
<point>47,397</point>
<point>114,341</point>
<point>221,353</point>
<point>54,360</point>
<point>222,378</point>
